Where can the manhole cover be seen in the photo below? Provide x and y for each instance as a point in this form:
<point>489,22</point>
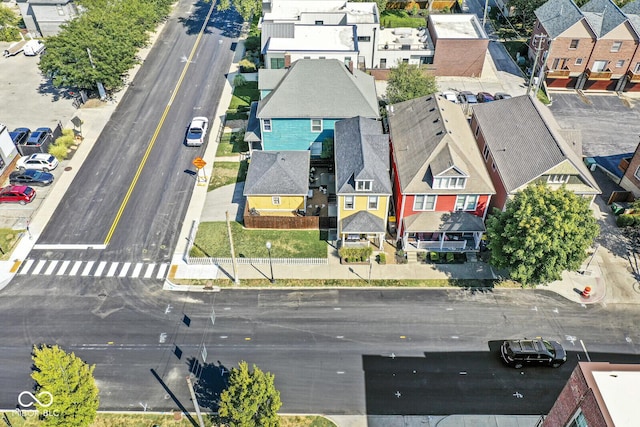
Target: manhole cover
<point>68,168</point>
<point>102,295</point>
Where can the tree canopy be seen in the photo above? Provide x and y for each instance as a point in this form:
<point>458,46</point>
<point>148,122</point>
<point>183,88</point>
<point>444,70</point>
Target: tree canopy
<point>70,382</point>
<point>541,233</point>
<point>250,400</point>
<point>409,82</point>
<point>8,24</point>
<point>246,8</point>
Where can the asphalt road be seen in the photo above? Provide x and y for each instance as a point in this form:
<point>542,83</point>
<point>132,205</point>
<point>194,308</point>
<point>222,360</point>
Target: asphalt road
<point>141,221</point>
<point>332,351</point>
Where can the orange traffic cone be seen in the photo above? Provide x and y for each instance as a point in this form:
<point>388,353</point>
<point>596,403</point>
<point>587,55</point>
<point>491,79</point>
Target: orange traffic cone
<point>586,293</point>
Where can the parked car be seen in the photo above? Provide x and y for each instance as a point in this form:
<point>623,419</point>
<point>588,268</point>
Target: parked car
<point>450,96</point>
<point>41,161</point>
<point>501,95</point>
<point>484,97</point>
<point>17,194</point>
<point>466,97</point>
<point>517,353</point>
<point>31,177</point>
<point>197,131</point>
<point>39,136</point>
<point>20,135</point>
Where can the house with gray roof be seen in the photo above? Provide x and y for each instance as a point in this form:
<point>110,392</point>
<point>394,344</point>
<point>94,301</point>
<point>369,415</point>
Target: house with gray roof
<point>44,17</point>
<point>593,47</point>
<point>441,188</point>
<point>521,143</point>
<point>301,109</point>
<point>363,186</point>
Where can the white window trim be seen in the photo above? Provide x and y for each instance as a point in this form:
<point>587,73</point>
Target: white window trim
<point>577,44</point>
<point>637,173</point>
<point>424,203</point>
<point>366,185</point>
<point>579,61</point>
<point>620,63</point>
<point>377,199</point>
<point>438,182</point>
<point>266,125</point>
<point>321,125</point>
<point>616,46</point>
<point>485,152</point>
<point>557,178</point>
<point>353,203</point>
<point>275,200</point>
<point>465,205</point>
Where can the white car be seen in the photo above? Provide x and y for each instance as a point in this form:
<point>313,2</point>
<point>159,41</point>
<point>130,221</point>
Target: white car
<point>40,161</point>
<point>197,131</point>
<point>450,96</point>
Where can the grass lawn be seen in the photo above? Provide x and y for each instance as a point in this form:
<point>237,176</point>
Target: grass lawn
<point>225,173</point>
<point>243,95</point>
<point>400,18</point>
<point>212,241</point>
<point>232,143</point>
<point>146,420</point>
<point>8,239</point>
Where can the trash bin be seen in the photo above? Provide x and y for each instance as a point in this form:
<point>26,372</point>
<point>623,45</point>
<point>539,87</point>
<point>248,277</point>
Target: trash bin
<point>591,163</point>
<point>617,209</point>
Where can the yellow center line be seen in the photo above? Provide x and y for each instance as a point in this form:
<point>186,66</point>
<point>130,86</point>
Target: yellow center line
<point>125,201</point>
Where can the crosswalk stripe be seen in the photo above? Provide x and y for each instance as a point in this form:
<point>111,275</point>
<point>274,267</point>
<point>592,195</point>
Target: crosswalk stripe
<point>87,268</point>
<point>75,268</point>
<point>136,270</point>
<point>125,268</point>
<point>100,268</point>
<point>26,266</point>
<point>161,271</point>
<point>112,269</point>
<point>39,267</point>
<point>63,268</point>
<point>52,266</point>
<point>149,272</point>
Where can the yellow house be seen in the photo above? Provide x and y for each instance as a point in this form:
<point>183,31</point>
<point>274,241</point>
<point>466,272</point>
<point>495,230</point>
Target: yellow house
<point>363,185</point>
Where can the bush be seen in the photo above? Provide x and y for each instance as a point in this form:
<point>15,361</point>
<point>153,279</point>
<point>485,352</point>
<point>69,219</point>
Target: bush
<point>252,43</point>
<point>247,66</point>
<point>58,151</point>
<point>239,80</point>
<point>625,220</point>
<point>382,258</point>
<point>355,254</point>
<point>65,141</point>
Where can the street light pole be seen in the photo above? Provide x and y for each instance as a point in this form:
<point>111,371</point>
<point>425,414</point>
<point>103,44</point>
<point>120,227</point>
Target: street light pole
<point>272,280</point>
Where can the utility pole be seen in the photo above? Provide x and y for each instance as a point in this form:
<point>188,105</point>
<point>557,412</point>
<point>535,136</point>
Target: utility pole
<point>484,14</point>
<point>540,38</point>
<point>195,401</point>
<point>236,279</point>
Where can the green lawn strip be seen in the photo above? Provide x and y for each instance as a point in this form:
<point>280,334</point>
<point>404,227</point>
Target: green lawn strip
<point>354,283</point>
<point>8,240</point>
<point>231,144</point>
<point>243,95</point>
<point>225,173</point>
<point>212,241</point>
<point>400,18</point>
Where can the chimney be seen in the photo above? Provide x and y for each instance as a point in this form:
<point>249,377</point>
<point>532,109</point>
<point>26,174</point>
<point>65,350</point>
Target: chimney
<point>351,67</point>
<point>287,60</point>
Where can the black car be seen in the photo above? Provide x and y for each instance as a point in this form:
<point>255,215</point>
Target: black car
<point>517,353</point>
<point>20,135</point>
<point>466,97</point>
<point>30,177</point>
<point>501,95</point>
<point>39,136</point>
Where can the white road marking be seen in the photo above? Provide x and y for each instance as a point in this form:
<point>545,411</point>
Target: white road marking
<point>75,268</point>
<point>52,266</point>
<point>161,271</point>
<point>112,270</point>
<point>87,268</point>
<point>80,246</point>
<point>26,266</point>
<point>585,351</point>
<point>63,268</point>
<point>149,272</point>
<point>136,269</point>
<point>39,266</point>
<point>100,268</point>
<point>125,268</point>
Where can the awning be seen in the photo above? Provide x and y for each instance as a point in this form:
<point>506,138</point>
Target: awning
<point>448,222</point>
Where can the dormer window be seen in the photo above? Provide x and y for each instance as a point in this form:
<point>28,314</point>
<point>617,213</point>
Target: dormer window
<point>449,182</point>
<point>557,179</point>
<point>362,185</point>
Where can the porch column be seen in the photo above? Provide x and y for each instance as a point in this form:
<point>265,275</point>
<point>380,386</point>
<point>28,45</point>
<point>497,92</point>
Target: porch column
<point>381,237</point>
<point>442,240</point>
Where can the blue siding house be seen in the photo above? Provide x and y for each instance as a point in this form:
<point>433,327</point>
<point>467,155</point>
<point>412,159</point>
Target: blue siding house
<point>302,104</point>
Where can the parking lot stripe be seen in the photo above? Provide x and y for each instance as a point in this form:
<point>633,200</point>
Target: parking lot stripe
<point>26,266</point>
<point>136,270</point>
<point>112,269</point>
<point>149,272</point>
<point>100,268</point>
<point>125,268</point>
<point>75,268</point>
<point>87,268</point>
<point>161,271</point>
<point>50,268</point>
<point>39,267</point>
<point>63,268</point>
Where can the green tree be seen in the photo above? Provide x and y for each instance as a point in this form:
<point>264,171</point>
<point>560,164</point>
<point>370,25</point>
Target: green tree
<point>382,4</point>
<point>8,24</point>
<point>246,8</point>
<point>524,9</point>
<point>541,233</point>
<point>70,382</point>
<point>409,82</point>
<point>251,400</point>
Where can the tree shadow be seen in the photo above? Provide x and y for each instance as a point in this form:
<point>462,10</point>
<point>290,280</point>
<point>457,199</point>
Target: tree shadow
<point>228,22</point>
<point>46,87</point>
<point>213,379</point>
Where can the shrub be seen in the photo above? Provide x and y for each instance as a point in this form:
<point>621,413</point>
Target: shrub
<point>625,220</point>
<point>252,43</point>
<point>382,258</point>
<point>65,141</point>
<point>355,254</point>
<point>239,80</point>
<point>247,66</point>
<point>58,151</point>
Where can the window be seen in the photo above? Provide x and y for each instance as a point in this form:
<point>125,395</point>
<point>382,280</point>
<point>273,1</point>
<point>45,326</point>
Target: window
<point>477,130</point>
<point>555,64</point>
<point>405,60</point>
<point>362,185</point>
<point>599,66</point>
<point>578,61</point>
<point>319,22</point>
<point>277,63</point>
<point>449,182</point>
<point>574,44</point>
<point>364,38</point>
<point>636,69</point>
<point>266,125</point>
<point>275,200</point>
<point>485,152</point>
<point>316,125</point>
<point>578,420</point>
<point>373,203</point>
<point>615,47</point>
<point>383,63</point>
<point>637,173</point>
<point>424,203</point>
<point>467,203</point>
<point>347,60</point>
<point>557,179</point>
<point>619,63</point>
<point>348,203</point>
<point>493,166</point>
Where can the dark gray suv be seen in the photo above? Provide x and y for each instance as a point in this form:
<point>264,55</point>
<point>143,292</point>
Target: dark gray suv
<point>518,353</point>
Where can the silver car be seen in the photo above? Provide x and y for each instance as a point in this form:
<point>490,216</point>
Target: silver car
<point>197,131</point>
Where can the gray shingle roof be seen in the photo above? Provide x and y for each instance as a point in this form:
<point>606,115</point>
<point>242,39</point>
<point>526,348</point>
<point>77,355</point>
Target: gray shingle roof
<point>429,135</point>
<point>269,78</point>
<point>321,88</point>
<point>278,173</point>
<point>603,16</point>
<point>363,222</point>
<point>556,16</point>
<point>454,222</point>
<point>361,151</point>
<point>252,134</point>
<point>632,10</point>
<point>524,141</point>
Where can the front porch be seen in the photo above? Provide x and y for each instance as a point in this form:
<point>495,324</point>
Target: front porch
<point>455,232</point>
<point>441,242</point>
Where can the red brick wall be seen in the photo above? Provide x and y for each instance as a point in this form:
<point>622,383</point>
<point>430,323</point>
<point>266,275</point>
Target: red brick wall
<point>459,57</point>
<point>629,175</point>
<point>559,48</point>
<point>602,51</point>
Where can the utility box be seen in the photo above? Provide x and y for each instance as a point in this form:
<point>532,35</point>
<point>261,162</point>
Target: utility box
<point>591,163</point>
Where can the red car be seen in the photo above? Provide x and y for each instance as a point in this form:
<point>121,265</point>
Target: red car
<point>17,194</point>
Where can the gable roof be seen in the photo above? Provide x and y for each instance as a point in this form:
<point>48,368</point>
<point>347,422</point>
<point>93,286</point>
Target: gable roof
<point>278,172</point>
<point>361,151</point>
<point>268,78</point>
<point>363,222</point>
<point>556,16</point>
<point>524,141</point>
<point>429,136</point>
<point>632,10</point>
<point>603,16</point>
<point>321,88</point>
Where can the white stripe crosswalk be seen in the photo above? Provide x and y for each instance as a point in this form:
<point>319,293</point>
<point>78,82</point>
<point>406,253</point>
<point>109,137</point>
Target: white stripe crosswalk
<point>93,268</point>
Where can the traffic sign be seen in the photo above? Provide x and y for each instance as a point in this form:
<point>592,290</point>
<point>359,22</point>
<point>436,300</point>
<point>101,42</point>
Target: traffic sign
<point>199,163</point>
